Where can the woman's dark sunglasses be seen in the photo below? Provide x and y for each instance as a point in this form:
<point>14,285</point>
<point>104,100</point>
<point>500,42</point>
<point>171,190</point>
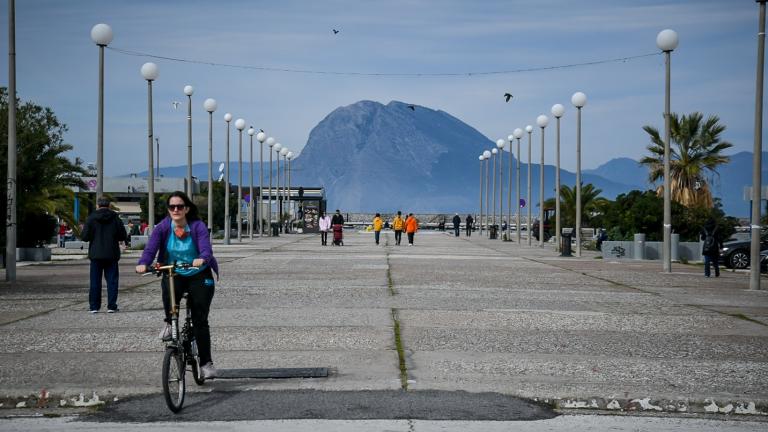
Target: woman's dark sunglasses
<point>173,207</point>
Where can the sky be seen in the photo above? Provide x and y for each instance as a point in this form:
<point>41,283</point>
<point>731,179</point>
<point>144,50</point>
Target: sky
<point>713,68</point>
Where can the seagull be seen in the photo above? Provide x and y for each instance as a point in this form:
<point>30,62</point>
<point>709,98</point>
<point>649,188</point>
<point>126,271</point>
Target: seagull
<point>508,96</point>
<point>261,130</point>
<point>175,104</point>
<point>413,108</point>
<point>335,31</point>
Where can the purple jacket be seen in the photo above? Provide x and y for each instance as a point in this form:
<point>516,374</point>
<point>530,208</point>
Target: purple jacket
<point>159,239</point>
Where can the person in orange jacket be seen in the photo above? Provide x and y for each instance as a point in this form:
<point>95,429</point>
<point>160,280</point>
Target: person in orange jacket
<point>398,225</point>
<point>411,226</point>
<point>377,224</point>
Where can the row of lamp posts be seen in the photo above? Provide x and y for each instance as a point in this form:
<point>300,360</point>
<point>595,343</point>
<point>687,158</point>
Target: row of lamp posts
<point>102,35</point>
<point>488,163</point>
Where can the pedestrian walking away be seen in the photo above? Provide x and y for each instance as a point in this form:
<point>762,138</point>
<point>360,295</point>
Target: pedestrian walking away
<point>337,224</point>
<point>468,222</point>
<point>183,238</point>
<point>103,230</point>
<point>398,225</point>
<point>377,224</point>
<point>325,225</point>
<point>711,248</point>
<point>456,224</point>
<point>411,226</point>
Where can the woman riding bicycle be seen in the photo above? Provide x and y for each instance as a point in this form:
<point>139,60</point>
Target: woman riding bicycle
<point>183,238</point>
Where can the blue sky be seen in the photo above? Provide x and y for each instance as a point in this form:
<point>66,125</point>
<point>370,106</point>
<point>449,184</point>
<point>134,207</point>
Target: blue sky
<point>713,69</point>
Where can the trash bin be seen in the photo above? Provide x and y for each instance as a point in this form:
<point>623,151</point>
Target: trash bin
<point>275,229</point>
<point>565,244</point>
<point>494,232</point>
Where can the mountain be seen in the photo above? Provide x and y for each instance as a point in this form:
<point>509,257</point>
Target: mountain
<point>373,157</point>
<point>623,170</point>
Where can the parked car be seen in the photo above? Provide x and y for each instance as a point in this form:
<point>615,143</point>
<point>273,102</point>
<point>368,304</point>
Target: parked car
<point>735,254</point>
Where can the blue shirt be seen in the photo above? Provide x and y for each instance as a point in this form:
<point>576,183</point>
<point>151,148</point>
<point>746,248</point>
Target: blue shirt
<point>182,251</point>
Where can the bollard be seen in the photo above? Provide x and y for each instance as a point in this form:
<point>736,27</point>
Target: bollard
<point>675,245</point>
<point>565,243</point>
<point>639,250</point>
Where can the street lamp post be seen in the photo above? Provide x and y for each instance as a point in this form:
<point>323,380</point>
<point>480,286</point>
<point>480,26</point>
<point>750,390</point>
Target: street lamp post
<point>11,216</point>
<point>529,129</point>
<point>754,270</point>
<point>102,35</point>
<point>578,100</point>
<point>667,41</point>
<point>487,157</point>
<point>210,105</point>
<point>480,219</point>
<point>517,133</point>
<point>509,190</point>
<point>500,145</point>
<point>271,143</point>
<point>240,125</point>
<point>284,154</point>
<point>542,122</point>
<point>261,137</point>
<point>288,158</point>
<point>494,160</point>
<point>279,218</point>
<point>557,111</point>
<point>188,90</point>
<point>251,132</point>
<point>227,222</point>
<point>150,73</point>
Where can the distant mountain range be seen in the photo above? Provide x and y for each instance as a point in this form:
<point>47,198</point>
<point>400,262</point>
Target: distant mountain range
<point>373,157</point>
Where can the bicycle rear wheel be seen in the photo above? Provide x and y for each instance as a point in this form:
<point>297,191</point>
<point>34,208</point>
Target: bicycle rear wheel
<point>194,362</point>
<point>174,386</point>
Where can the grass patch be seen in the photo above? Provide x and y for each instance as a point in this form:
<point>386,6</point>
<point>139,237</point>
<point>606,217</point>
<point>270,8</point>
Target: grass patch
<point>400,352</point>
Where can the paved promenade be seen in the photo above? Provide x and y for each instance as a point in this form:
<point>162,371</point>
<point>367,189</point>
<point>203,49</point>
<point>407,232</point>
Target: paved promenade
<point>447,314</point>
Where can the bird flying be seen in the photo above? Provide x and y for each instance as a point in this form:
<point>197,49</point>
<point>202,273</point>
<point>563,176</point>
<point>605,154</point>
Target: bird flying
<point>335,31</point>
<point>508,96</point>
<point>175,104</point>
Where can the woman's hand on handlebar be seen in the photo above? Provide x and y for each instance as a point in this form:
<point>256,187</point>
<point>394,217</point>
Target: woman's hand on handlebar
<point>198,262</point>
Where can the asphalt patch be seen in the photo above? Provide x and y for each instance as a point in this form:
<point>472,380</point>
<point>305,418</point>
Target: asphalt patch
<point>327,405</point>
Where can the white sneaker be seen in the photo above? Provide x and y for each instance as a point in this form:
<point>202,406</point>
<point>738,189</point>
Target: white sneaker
<point>209,371</point>
<point>165,333</point>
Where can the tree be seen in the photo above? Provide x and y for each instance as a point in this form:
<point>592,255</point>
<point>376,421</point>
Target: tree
<point>44,177</point>
<point>591,204</point>
<point>695,153</point>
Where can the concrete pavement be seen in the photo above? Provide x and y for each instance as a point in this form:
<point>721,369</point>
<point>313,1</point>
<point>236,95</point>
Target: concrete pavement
<point>447,314</point>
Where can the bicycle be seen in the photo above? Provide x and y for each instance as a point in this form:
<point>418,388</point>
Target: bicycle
<point>181,349</point>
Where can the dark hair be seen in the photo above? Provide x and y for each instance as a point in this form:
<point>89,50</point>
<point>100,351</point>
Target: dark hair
<point>378,215</point>
<point>103,202</point>
<point>192,214</point>
<point>398,212</point>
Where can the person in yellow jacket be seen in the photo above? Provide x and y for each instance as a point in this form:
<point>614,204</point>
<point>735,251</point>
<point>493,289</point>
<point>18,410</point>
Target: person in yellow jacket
<point>411,226</point>
<point>377,224</point>
<point>398,225</point>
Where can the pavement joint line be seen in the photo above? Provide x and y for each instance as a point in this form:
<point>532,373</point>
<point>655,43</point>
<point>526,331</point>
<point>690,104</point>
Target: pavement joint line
<point>396,327</point>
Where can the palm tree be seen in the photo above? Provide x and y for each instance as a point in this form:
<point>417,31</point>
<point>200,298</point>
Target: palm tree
<point>591,203</point>
<point>696,152</point>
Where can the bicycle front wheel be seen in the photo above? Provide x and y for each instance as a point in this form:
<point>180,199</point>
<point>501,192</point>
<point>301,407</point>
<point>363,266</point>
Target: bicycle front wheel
<point>174,387</point>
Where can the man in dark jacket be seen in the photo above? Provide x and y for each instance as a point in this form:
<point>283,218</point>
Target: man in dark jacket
<point>104,231</point>
<point>469,221</point>
<point>711,248</point>
<point>456,224</point>
<point>337,219</point>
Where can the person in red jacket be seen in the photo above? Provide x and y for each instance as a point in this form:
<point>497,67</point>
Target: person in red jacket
<point>411,226</point>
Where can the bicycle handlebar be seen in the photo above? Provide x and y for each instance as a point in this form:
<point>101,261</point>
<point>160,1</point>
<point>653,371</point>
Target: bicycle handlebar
<point>159,269</point>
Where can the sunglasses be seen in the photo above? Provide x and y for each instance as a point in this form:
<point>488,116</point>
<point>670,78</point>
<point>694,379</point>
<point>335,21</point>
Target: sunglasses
<point>178,207</point>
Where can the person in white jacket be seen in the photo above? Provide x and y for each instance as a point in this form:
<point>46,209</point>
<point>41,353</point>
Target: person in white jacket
<point>325,225</point>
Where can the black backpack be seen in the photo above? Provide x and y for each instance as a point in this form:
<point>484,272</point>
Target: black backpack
<point>709,240</point>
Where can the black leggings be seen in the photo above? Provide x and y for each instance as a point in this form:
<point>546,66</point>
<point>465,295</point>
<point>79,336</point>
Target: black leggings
<point>410,237</point>
<point>199,288</point>
<point>398,236</point>
<point>323,237</point>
